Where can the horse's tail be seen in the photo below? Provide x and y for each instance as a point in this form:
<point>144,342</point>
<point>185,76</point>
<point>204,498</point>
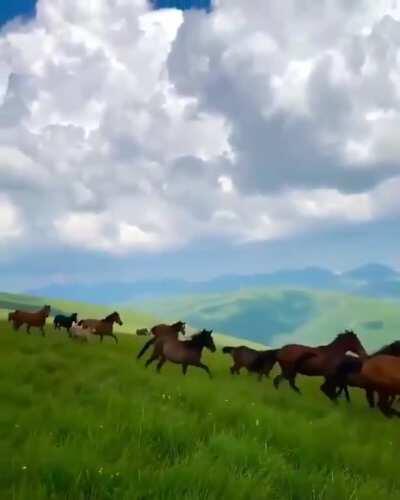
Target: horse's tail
<point>261,360</point>
<point>55,321</point>
<point>145,347</point>
<point>302,359</point>
<point>11,316</point>
<point>227,349</point>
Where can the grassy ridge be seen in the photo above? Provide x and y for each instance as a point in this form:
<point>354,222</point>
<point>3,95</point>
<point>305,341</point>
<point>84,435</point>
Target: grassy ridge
<point>132,318</point>
<point>277,316</point>
<point>89,422</point>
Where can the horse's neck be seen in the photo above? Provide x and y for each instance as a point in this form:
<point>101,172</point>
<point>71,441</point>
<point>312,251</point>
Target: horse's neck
<point>335,346</point>
<point>195,344</point>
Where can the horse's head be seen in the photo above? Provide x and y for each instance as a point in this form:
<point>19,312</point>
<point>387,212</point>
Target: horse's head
<point>350,342</point>
<point>116,318</point>
<point>208,341</point>
<point>74,317</point>
<point>180,326</point>
<point>46,309</point>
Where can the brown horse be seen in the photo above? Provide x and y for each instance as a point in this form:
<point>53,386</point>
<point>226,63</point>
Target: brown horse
<point>348,373</point>
<point>163,331</point>
<point>381,374</point>
<point>31,319</point>
<point>102,327</point>
<point>315,361</point>
<point>185,352</point>
<point>254,361</point>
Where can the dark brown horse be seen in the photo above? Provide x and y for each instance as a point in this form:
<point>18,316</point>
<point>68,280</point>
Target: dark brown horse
<point>102,327</point>
<point>348,374</point>
<point>381,374</point>
<point>163,331</point>
<point>254,361</point>
<point>185,352</point>
<point>297,359</point>
<point>31,319</point>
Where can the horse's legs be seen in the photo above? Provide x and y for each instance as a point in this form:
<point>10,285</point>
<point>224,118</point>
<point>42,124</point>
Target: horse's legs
<point>277,380</point>
<point>101,338</point>
<point>370,398</point>
<point>41,329</point>
<point>152,358</point>
<point>329,391</point>
<point>292,383</point>
<point>160,364</point>
<point>235,369</point>
<point>384,405</point>
<point>28,329</point>
<point>184,369</point>
<point>204,367</point>
<point>115,338</point>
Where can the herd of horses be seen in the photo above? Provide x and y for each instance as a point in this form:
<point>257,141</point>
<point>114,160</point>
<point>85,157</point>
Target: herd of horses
<point>343,363</point>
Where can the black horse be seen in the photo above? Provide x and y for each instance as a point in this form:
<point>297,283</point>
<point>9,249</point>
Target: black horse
<point>61,321</point>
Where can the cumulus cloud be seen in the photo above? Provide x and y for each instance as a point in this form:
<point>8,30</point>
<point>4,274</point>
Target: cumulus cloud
<point>129,130</point>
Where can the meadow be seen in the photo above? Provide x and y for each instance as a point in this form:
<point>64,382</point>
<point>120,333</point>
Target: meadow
<point>89,421</point>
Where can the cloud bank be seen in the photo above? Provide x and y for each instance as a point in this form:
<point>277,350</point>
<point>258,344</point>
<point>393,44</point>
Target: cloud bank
<point>127,130</point>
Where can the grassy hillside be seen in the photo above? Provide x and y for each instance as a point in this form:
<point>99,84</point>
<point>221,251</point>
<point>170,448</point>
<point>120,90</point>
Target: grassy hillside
<point>131,318</point>
<point>87,422</point>
<point>275,316</point>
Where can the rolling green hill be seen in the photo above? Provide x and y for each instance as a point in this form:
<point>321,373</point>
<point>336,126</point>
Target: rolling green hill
<point>89,422</point>
<point>277,316</point>
<point>132,318</point>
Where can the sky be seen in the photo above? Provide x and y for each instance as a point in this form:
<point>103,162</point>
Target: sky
<point>142,143</point>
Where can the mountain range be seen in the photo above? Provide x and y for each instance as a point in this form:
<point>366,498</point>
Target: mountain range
<point>370,280</point>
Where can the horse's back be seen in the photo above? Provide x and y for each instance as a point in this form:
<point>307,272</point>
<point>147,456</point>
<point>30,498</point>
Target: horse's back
<point>382,372</point>
<point>161,330</point>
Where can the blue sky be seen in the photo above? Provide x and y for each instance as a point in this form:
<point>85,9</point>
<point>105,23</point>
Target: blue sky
<point>13,8</point>
<point>10,9</point>
<point>142,143</point>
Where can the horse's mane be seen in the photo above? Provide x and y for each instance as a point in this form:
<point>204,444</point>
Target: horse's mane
<point>388,348</point>
<point>196,338</point>
<point>110,317</point>
<point>343,336</point>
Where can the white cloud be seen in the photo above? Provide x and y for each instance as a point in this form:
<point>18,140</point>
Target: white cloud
<point>124,130</point>
<point>10,225</point>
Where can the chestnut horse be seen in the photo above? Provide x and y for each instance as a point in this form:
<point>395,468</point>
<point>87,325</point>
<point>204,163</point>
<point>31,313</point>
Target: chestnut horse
<point>254,361</point>
<point>348,374</point>
<point>381,374</point>
<point>102,327</point>
<point>315,361</point>
<point>185,352</point>
<point>163,331</point>
<point>31,319</point>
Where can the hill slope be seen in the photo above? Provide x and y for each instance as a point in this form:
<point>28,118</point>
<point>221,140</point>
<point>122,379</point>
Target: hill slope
<point>89,422</point>
<point>132,318</point>
<point>277,316</point>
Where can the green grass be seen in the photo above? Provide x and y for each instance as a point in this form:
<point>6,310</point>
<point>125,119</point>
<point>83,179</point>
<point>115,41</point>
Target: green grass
<point>86,422</point>
<point>277,316</point>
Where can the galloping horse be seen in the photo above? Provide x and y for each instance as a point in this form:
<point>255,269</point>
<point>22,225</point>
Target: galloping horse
<point>102,327</point>
<point>65,321</point>
<point>379,373</point>
<point>254,361</point>
<point>163,331</point>
<point>315,361</point>
<point>185,352</point>
<point>31,319</point>
<point>348,374</point>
